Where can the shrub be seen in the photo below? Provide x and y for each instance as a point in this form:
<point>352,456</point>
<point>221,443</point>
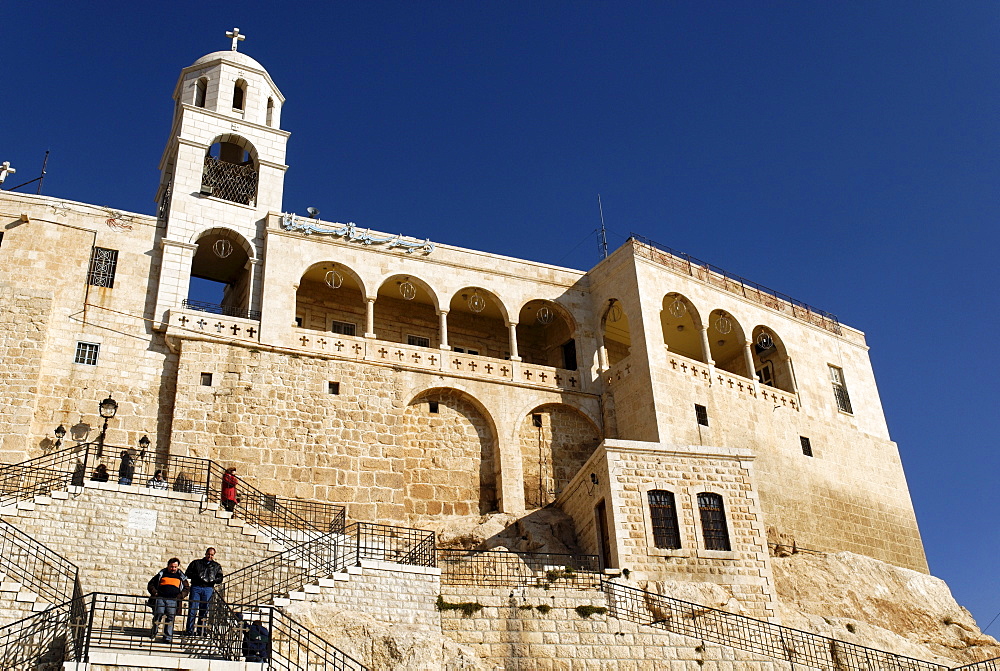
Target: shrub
<point>468,608</point>
<point>587,611</point>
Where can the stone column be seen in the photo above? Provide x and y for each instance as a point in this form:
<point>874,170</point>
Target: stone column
<point>513,341</point>
<point>706,349</point>
<point>175,275</point>
<point>791,375</point>
<point>253,300</point>
<point>748,353</point>
<point>443,318</point>
<point>602,358</point>
<point>370,319</point>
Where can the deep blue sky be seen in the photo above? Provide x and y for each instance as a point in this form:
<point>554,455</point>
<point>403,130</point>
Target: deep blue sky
<point>843,153</point>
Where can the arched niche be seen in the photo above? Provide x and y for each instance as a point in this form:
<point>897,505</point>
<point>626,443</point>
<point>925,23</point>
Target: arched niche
<point>727,343</point>
<point>406,312</point>
<point>545,335</point>
<point>200,91</point>
<point>230,170</point>
<point>330,297</point>
<point>449,459</point>
<point>771,362</point>
<point>555,440</point>
<point>221,278</point>
<point>681,326</point>
<point>617,334</point>
<point>240,95</point>
<point>477,323</point>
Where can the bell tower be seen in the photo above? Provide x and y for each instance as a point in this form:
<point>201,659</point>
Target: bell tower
<point>222,171</point>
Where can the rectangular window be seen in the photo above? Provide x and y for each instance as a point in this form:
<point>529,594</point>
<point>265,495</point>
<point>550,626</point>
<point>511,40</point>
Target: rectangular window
<point>663,514</point>
<point>333,388</point>
<point>206,379</point>
<point>840,390</point>
<point>418,341</point>
<point>807,448</point>
<point>86,353</point>
<point>701,413</point>
<point>713,522</point>
<point>765,374</point>
<point>536,420</point>
<point>343,328</point>
<point>432,407</point>
<point>103,263</point>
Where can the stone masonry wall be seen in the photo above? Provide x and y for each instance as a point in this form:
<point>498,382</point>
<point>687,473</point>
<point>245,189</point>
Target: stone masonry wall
<point>512,633</point>
<point>92,530</point>
<point>553,452</point>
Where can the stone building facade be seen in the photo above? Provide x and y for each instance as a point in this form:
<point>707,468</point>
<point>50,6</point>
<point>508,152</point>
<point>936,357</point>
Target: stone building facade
<point>680,417</point>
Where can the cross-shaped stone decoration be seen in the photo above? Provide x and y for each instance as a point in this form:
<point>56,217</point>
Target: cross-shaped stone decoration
<point>303,340</point>
<point>416,357</point>
<point>219,326</point>
<point>489,368</point>
<point>322,342</point>
<point>235,329</point>
<point>558,378</point>
<point>457,363</point>
<point>251,331</point>
<point>201,323</point>
<point>433,359</point>
<point>527,374</point>
<point>572,382</point>
<point>542,376</point>
<point>383,351</point>
<point>339,345</point>
<point>399,355</point>
<point>183,320</point>
<point>472,366</point>
<point>235,36</point>
<point>356,347</point>
<point>504,370</point>
<point>5,170</point>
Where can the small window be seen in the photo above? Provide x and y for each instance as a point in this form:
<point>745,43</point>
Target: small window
<point>765,374</point>
<point>343,328</point>
<point>536,420</point>
<point>270,111</point>
<point>333,388</point>
<point>418,341</point>
<point>713,522</point>
<point>473,352</point>
<point>86,353</point>
<point>663,514</point>
<point>298,322</point>
<point>807,448</point>
<point>701,413</point>
<point>432,407</point>
<point>206,379</point>
<point>103,263</point>
<point>239,95</point>
<point>460,350</point>
<point>200,91</point>
<point>840,390</point>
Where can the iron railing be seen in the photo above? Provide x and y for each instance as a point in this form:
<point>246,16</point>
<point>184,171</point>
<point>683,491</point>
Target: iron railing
<point>290,570</point>
<point>706,272</point>
<point>43,571</point>
<point>217,309</point>
<point>230,181</point>
<point>293,647</point>
<point>985,665</point>
<point>751,635</point>
<point>46,639</point>
<point>499,568</point>
<point>289,521</point>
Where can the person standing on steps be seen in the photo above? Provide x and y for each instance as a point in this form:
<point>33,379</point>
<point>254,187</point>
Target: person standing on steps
<point>168,587</point>
<point>127,469</point>
<point>204,575</point>
<point>229,499</point>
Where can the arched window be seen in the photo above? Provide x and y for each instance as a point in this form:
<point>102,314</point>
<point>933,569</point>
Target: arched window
<point>713,522</point>
<point>270,111</point>
<point>663,514</point>
<point>239,95</point>
<point>200,91</point>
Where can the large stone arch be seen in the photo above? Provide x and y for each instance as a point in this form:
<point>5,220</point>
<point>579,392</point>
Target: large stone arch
<point>681,324</point>
<point>223,260</point>
<point>406,311</point>
<point>330,297</point>
<point>771,361</point>
<point>449,455</point>
<point>555,441</point>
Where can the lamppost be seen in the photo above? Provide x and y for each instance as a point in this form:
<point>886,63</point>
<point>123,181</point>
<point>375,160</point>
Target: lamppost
<point>108,408</point>
<point>60,434</point>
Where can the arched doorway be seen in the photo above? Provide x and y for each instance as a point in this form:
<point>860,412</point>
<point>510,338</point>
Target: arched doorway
<point>221,279</point>
<point>545,335</point>
<point>330,298</point>
<point>406,312</point>
<point>727,343</point>
<point>771,362</point>
<point>617,334</point>
<point>556,440</point>
<point>681,325</point>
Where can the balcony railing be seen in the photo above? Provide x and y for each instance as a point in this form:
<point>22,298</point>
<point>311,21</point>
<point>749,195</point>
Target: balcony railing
<point>43,571</point>
<point>230,181</point>
<point>217,309</point>
<point>499,568</point>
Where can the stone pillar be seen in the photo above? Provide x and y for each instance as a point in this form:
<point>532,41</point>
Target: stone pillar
<point>175,275</point>
<point>370,319</point>
<point>791,375</point>
<point>253,300</point>
<point>443,317</point>
<point>513,341</point>
<point>706,349</point>
<point>748,353</point>
<point>602,358</point>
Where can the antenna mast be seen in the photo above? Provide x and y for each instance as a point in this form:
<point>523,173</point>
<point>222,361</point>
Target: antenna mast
<point>602,238</point>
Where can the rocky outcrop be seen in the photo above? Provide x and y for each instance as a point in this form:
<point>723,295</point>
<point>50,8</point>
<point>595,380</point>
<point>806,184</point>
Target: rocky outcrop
<point>865,601</point>
<point>544,530</point>
<point>381,646</point>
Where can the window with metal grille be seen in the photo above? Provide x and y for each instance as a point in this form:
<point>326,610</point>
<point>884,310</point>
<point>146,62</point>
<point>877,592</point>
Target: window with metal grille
<point>840,390</point>
<point>701,413</point>
<point>418,341</point>
<point>713,522</point>
<point>807,448</point>
<point>103,263</point>
<point>86,353</point>
<point>343,328</point>
<point>663,513</point>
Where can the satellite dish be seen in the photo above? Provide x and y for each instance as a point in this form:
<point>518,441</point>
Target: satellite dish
<point>313,212</point>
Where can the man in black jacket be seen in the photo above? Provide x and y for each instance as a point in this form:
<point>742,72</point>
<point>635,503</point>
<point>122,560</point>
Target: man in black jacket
<point>204,575</point>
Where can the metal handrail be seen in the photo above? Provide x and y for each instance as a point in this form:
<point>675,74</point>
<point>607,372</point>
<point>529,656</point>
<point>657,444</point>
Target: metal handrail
<point>985,665</point>
<point>755,636</point>
<point>45,639</point>
<point>689,265</point>
<point>41,569</point>
<point>504,568</point>
<point>219,309</point>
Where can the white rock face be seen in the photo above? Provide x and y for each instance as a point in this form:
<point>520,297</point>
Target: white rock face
<point>865,601</point>
<point>384,647</point>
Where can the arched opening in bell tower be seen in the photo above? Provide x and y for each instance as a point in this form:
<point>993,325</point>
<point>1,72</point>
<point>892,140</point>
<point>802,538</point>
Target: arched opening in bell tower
<point>545,335</point>
<point>231,170</point>
<point>221,278</point>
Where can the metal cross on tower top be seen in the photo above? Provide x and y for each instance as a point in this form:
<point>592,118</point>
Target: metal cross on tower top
<point>5,170</point>
<point>234,34</point>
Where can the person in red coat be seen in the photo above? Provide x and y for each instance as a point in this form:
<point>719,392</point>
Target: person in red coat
<point>229,481</point>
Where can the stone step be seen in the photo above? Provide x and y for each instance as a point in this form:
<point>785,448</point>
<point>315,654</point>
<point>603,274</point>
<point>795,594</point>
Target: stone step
<point>43,500</point>
<point>281,602</point>
<point>311,589</point>
<point>10,586</point>
<point>297,596</point>
<point>40,605</point>
<point>26,597</point>
<point>60,495</point>
<point>10,510</point>
<point>25,505</point>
